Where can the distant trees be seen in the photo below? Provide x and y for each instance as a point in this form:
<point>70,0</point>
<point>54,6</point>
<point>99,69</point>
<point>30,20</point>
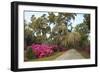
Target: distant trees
<point>84,30</point>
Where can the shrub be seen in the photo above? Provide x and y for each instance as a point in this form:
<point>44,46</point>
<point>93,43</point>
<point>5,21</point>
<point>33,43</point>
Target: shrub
<point>30,54</point>
<point>55,48</point>
<point>42,50</point>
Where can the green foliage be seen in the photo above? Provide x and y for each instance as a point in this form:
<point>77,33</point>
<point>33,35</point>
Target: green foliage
<point>51,17</point>
<point>30,54</point>
<point>28,36</point>
<point>87,20</point>
<point>84,30</point>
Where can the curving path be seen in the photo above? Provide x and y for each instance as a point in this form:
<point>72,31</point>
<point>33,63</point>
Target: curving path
<point>70,54</point>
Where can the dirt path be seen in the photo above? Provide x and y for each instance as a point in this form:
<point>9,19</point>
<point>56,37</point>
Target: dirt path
<point>70,54</point>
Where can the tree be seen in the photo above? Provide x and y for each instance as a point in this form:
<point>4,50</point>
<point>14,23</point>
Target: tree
<point>68,18</point>
<point>28,36</point>
<point>40,28</point>
<point>87,20</point>
<point>51,18</point>
<point>82,28</point>
<point>84,31</point>
<point>60,31</point>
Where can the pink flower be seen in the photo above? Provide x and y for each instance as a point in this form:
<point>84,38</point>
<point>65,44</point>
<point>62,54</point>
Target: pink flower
<point>42,50</point>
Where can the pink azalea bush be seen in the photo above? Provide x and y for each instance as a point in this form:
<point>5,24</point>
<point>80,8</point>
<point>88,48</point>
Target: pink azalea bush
<point>42,50</point>
<point>54,47</point>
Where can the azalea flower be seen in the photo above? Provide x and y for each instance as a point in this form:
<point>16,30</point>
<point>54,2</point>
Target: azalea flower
<point>42,50</point>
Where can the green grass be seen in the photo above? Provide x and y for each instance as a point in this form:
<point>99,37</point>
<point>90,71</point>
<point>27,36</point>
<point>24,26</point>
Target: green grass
<point>52,57</point>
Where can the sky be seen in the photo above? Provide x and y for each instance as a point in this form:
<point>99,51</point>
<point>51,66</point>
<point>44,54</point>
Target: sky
<point>27,16</point>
